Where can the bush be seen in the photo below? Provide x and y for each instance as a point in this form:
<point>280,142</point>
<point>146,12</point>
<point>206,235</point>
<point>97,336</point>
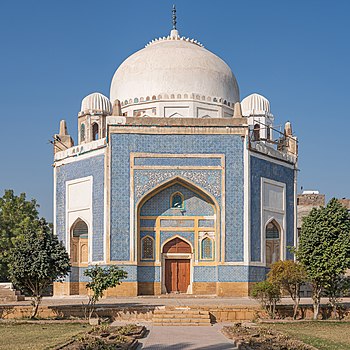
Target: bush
<point>268,295</point>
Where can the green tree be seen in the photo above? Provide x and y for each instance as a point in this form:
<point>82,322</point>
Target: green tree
<point>268,295</point>
<point>102,278</point>
<point>324,247</point>
<point>17,217</point>
<point>289,276</point>
<point>36,260</point>
<point>335,292</point>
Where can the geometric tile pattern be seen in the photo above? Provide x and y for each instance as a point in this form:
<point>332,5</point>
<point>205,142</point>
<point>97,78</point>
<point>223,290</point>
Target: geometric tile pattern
<point>209,180</point>
<point>205,223</point>
<point>231,146</point>
<point>177,161</point>
<point>93,166</point>
<point>165,235</point>
<point>177,223</point>
<point>262,168</point>
<point>159,204</point>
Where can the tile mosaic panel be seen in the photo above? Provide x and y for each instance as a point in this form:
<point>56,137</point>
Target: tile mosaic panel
<point>205,223</point>
<point>160,204</point>
<point>148,273</point>
<point>147,223</point>
<point>94,167</point>
<point>176,223</point>
<point>229,145</point>
<point>146,180</point>
<point>205,274</point>
<point>262,168</point>
<point>177,161</point>
<point>165,235</point>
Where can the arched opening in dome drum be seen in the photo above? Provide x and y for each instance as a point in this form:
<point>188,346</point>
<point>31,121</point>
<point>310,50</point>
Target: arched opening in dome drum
<point>95,131</point>
<point>256,132</point>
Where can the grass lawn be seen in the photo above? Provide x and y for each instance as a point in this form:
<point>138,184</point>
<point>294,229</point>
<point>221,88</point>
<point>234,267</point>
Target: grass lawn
<point>322,335</point>
<point>23,336</point>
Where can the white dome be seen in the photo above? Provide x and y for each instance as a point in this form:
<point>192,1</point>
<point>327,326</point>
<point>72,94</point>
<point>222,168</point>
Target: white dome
<point>174,66</point>
<point>96,103</point>
<point>255,104</point>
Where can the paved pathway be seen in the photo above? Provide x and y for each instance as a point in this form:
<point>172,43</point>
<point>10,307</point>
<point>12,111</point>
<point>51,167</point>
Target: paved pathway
<point>185,338</point>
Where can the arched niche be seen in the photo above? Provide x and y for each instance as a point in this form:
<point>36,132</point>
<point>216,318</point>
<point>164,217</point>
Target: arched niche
<point>79,251</point>
<point>272,242</point>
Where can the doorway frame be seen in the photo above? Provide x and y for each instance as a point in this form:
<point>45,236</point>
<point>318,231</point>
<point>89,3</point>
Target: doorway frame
<point>165,256</point>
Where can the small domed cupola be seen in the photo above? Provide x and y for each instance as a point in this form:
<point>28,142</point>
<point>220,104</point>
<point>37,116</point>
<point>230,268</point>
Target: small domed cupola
<point>96,103</point>
<point>92,117</point>
<point>255,104</point>
<point>260,119</point>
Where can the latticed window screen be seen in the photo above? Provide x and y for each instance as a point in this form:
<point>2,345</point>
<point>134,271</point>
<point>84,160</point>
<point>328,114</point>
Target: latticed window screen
<point>147,248</point>
<point>82,132</point>
<point>80,230</point>
<point>207,248</point>
<point>272,231</point>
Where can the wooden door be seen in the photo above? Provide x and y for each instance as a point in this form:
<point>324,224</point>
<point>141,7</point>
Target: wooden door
<point>177,275</point>
<point>183,275</point>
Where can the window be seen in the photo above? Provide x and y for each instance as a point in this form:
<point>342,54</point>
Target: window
<point>80,229</point>
<point>268,132</point>
<point>256,132</point>
<point>177,201</point>
<point>147,248</point>
<point>273,245</point>
<point>206,249</point>
<point>82,132</point>
<point>94,131</point>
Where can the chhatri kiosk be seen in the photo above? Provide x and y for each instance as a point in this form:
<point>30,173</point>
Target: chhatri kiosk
<point>174,178</point>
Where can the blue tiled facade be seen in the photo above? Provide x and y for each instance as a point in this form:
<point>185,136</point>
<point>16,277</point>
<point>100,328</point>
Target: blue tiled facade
<point>194,205</point>
<point>231,146</point>
<point>93,166</point>
<point>263,168</point>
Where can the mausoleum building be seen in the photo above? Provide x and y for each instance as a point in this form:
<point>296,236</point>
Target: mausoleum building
<point>175,179</point>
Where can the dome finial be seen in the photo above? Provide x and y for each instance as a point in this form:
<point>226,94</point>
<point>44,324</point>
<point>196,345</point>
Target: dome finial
<point>174,17</point>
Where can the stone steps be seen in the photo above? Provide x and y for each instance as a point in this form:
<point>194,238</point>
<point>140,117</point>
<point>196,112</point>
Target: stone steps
<point>181,317</point>
<point>8,293</point>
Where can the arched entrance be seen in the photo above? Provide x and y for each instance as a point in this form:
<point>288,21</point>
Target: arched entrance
<point>177,266</point>
<point>177,227</point>
<point>79,254</point>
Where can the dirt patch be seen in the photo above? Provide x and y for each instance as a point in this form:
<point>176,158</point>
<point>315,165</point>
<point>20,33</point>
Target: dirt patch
<point>106,338</point>
<point>260,338</point>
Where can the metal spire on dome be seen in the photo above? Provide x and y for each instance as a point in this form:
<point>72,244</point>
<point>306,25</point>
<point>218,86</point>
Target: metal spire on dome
<point>174,17</point>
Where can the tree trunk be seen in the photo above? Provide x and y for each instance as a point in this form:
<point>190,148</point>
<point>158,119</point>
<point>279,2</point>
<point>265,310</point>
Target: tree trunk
<point>316,297</point>
<point>35,303</point>
<point>295,308</point>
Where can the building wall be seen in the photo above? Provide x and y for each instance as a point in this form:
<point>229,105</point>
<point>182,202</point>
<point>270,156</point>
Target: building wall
<point>261,168</point>
<point>89,167</point>
<point>146,179</point>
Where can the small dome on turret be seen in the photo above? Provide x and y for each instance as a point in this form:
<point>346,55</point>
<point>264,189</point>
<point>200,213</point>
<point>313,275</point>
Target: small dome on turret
<point>96,103</point>
<point>255,104</point>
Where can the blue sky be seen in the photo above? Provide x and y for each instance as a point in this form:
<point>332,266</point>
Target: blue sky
<point>53,53</point>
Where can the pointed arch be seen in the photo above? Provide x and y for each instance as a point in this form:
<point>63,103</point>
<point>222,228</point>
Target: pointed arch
<point>182,181</point>
<point>272,238</point>
<point>197,190</point>
<point>79,245</point>
<point>95,131</point>
<point>173,238</point>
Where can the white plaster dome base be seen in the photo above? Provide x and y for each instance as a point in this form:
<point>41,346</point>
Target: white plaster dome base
<point>174,67</point>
